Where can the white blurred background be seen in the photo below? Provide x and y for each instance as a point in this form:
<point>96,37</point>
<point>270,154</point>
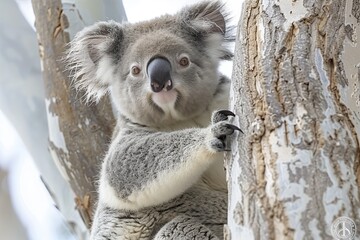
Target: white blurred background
<point>27,211</point>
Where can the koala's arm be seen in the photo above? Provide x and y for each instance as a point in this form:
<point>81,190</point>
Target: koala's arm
<point>144,168</point>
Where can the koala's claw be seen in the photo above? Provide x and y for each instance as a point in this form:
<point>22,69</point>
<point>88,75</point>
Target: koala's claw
<point>220,131</point>
<point>234,128</point>
<point>221,115</point>
<point>227,113</point>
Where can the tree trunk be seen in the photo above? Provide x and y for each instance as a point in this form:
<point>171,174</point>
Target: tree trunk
<point>78,133</point>
<point>296,91</point>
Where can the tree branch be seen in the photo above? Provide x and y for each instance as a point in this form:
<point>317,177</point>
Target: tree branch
<point>78,133</point>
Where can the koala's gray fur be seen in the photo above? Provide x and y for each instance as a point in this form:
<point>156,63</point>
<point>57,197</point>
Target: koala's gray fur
<point>162,177</point>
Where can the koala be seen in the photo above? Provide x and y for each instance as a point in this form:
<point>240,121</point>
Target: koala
<point>163,174</point>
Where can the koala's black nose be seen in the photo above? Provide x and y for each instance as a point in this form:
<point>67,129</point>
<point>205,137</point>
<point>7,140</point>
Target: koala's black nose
<point>158,70</point>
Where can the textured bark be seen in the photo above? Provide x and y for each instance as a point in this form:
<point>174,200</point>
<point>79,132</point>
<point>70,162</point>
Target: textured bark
<point>296,91</point>
<point>78,133</point>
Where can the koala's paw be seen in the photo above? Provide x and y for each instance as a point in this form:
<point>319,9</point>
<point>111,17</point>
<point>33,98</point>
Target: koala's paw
<point>220,129</point>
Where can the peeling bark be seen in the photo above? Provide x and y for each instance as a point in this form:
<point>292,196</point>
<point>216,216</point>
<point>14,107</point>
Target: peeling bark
<point>297,167</point>
<point>78,133</point>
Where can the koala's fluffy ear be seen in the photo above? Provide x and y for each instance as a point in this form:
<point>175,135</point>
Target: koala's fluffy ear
<point>208,21</point>
<point>89,60</point>
<point>206,16</point>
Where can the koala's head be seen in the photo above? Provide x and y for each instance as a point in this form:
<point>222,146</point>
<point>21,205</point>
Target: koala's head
<point>158,71</point>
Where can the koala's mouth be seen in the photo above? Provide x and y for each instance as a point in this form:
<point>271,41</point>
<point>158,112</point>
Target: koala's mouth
<point>165,98</point>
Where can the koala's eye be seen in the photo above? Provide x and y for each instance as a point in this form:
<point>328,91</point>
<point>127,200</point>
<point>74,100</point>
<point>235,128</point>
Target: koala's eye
<point>135,70</point>
<point>184,61</point>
